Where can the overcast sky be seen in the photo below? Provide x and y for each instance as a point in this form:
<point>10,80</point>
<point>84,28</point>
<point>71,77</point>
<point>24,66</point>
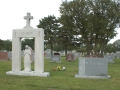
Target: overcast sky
<point>13,11</point>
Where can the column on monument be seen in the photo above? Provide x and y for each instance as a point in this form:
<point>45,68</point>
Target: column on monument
<point>39,52</point>
<point>16,53</point>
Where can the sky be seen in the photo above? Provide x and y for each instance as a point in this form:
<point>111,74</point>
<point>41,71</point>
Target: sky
<point>12,13</point>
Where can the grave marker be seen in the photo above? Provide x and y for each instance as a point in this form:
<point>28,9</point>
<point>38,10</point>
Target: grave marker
<point>110,58</point>
<point>69,57</point>
<point>92,68</point>
<point>56,58</point>
<point>28,32</point>
<point>3,56</point>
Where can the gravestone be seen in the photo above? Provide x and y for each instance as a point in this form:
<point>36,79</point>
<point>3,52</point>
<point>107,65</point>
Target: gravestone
<point>70,57</point>
<point>76,55</point>
<point>28,32</point>
<point>10,55</point>
<point>118,54</point>
<point>55,58</point>
<point>110,58</point>
<point>92,68</point>
<point>48,53</point>
<point>62,53</point>
<point>4,56</point>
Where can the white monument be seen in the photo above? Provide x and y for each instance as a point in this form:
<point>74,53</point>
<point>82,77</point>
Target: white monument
<point>28,32</point>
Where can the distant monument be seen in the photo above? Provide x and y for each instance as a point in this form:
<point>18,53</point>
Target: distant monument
<point>28,32</point>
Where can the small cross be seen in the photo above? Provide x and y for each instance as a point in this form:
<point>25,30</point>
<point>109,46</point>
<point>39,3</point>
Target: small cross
<point>27,18</point>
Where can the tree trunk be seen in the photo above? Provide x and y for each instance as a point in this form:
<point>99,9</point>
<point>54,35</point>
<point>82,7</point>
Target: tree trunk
<point>51,48</point>
<point>65,50</point>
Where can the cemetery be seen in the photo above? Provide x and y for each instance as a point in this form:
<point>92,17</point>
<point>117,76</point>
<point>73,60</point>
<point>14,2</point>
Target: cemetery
<point>59,80</point>
<point>61,59</point>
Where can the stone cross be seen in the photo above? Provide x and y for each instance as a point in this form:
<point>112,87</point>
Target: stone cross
<point>27,18</point>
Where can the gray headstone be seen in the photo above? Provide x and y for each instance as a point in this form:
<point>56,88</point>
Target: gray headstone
<point>62,53</point>
<point>55,58</point>
<point>48,53</point>
<point>118,54</point>
<point>93,68</point>
<point>10,55</point>
<point>110,58</point>
<point>76,55</point>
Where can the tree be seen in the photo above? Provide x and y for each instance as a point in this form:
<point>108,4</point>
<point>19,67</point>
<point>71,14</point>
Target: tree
<point>111,48</point>
<point>94,20</point>
<point>1,44</point>
<point>50,25</point>
<point>29,42</point>
<point>117,44</point>
<point>7,45</point>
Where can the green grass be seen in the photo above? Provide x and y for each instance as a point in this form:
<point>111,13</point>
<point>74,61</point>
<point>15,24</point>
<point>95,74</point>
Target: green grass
<point>59,80</point>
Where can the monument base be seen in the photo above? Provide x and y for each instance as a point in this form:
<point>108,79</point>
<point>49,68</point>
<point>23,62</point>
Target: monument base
<point>92,77</point>
<point>32,73</point>
<point>56,61</point>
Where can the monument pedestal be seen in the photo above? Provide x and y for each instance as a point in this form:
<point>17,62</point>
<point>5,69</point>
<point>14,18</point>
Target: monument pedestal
<point>93,77</point>
<point>32,73</point>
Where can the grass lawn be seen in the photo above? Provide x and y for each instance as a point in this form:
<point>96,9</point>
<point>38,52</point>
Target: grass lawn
<point>59,80</point>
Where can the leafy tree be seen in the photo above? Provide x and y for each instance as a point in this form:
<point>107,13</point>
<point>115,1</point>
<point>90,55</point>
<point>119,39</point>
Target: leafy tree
<point>110,48</point>
<point>117,45</point>
<point>1,44</point>
<point>50,25</point>
<point>29,42</point>
<point>7,45</point>
<point>94,20</point>
<point>65,37</point>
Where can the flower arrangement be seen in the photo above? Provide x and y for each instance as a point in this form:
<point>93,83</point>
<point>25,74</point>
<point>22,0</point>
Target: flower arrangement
<point>63,68</point>
<point>58,68</point>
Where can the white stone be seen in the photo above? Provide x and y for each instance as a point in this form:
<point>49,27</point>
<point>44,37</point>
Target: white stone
<point>27,59</point>
<point>32,73</point>
<point>27,18</point>
<point>38,34</point>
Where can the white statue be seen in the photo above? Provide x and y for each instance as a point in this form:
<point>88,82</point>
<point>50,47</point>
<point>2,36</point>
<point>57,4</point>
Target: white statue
<point>32,54</point>
<point>27,59</point>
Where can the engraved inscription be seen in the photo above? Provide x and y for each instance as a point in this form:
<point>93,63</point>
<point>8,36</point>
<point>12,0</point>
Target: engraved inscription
<point>96,63</point>
<point>26,33</point>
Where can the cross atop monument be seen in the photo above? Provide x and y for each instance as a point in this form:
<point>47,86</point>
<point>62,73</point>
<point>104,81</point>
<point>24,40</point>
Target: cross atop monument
<point>27,18</point>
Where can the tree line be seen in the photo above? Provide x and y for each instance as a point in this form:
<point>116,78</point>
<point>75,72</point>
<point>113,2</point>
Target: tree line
<point>7,44</point>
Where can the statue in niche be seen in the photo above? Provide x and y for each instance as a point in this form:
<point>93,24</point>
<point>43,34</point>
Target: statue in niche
<point>27,58</point>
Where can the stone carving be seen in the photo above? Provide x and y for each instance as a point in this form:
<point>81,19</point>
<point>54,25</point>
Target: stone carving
<point>27,59</point>
<point>27,18</point>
